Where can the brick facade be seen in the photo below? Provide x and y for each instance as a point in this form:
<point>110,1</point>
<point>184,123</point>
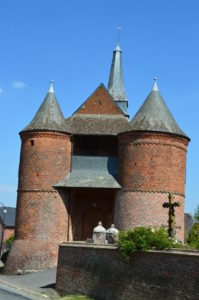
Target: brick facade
<point>100,102</point>
<point>45,159</point>
<point>102,273</point>
<point>145,209</point>
<point>150,165</point>
<point>31,255</point>
<point>152,161</point>
<point>42,211</point>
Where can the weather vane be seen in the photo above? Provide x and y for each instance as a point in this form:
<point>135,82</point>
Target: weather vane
<point>118,36</point>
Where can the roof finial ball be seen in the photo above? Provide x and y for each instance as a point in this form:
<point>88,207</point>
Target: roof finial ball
<point>155,87</point>
<point>51,90</point>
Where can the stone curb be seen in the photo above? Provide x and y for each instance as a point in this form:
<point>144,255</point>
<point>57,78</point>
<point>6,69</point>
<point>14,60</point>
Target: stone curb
<point>20,288</point>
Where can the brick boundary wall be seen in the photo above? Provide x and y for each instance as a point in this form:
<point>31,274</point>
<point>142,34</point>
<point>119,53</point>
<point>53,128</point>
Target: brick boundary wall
<point>101,272</point>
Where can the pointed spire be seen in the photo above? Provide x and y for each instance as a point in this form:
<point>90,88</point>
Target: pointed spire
<point>116,82</point>
<point>154,115</point>
<point>118,39</point>
<point>155,87</point>
<point>51,90</point>
<point>49,116</point>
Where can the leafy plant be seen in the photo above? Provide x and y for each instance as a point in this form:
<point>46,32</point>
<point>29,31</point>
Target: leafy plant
<point>196,213</point>
<point>193,239</point>
<point>144,238</point>
<point>9,241</point>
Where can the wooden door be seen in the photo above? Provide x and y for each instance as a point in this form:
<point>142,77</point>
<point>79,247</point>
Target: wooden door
<point>91,217</point>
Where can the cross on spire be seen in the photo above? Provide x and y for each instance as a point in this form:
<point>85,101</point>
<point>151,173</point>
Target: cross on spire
<point>118,34</point>
<point>171,221</point>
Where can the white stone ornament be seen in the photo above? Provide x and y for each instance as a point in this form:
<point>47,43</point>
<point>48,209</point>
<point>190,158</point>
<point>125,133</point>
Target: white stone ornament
<point>112,230</point>
<point>112,234</point>
<point>99,234</point>
<point>99,228</point>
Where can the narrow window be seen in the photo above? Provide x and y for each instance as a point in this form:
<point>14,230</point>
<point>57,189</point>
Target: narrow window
<point>32,142</point>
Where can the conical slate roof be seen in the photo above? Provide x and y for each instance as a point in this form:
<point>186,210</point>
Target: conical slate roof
<point>49,116</point>
<point>154,115</point>
<point>116,82</point>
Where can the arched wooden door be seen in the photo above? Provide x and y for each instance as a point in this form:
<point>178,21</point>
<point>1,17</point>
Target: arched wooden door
<point>90,219</point>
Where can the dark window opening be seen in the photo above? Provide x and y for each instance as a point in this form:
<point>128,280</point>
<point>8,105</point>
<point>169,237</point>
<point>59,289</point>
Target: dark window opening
<point>95,145</point>
<point>32,142</point>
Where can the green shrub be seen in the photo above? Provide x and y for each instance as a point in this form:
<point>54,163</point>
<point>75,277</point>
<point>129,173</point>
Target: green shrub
<point>144,238</point>
<point>193,239</point>
<point>9,241</point>
<point>160,239</point>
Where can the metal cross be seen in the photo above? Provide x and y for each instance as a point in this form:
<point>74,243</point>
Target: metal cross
<point>118,36</point>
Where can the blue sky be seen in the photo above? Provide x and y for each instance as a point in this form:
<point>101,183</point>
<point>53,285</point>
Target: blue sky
<point>71,42</point>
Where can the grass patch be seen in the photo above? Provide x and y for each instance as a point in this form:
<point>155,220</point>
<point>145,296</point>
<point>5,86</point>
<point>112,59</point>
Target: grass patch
<point>74,297</point>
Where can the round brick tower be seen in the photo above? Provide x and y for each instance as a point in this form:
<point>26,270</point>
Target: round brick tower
<point>151,164</point>
<point>42,211</point>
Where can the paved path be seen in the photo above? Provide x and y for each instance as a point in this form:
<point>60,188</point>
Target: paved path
<point>38,283</point>
<point>8,293</point>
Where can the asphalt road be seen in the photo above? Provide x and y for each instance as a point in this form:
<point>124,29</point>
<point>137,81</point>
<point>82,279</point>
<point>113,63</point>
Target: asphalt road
<point>7,293</point>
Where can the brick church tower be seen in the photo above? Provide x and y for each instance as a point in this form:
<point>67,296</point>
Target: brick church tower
<point>96,165</point>
<point>151,164</point>
<point>41,218</point>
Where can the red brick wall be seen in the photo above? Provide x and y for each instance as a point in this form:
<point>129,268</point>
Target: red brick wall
<point>155,162</point>
<point>99,103</point>
<point>150,165</point>
<point>45,163</point>
<point>41,216</point>
<point>145,209</point>
<point>31,255</point>
<point>102,273</point>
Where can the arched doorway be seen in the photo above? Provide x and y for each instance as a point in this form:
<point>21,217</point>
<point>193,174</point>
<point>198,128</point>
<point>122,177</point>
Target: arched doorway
<point>90,219</point>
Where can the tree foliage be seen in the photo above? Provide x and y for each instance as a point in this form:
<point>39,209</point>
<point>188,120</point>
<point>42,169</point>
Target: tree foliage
<point>193,239</point>
<point>196,213</point>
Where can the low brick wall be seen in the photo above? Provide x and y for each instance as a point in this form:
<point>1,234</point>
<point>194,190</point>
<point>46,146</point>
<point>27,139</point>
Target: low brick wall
<point>101,272</point>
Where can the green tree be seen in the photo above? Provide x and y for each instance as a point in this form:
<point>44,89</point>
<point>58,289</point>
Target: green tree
<point>196,213</point>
